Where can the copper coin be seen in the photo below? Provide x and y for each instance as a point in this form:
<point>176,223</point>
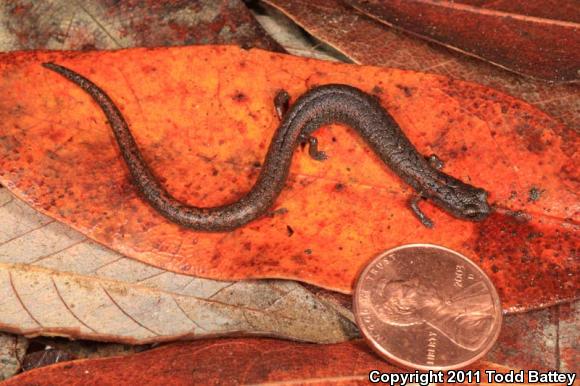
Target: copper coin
<point>427,307</point>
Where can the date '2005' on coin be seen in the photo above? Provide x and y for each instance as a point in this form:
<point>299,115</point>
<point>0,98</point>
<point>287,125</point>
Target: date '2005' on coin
<point>427,307</point>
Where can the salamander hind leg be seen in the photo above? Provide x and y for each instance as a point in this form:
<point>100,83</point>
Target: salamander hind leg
<point>414,205</point>
<point>313,147</point>
<point>281,103</point>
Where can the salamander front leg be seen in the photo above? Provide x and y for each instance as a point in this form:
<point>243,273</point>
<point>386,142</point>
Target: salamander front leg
<point>414,204</point>
<point>435,162</point>
<point>281,103</point>
<point>313,147</point>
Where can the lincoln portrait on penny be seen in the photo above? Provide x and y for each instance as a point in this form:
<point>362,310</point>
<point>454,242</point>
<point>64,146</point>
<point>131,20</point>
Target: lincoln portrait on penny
<point>466,317</point>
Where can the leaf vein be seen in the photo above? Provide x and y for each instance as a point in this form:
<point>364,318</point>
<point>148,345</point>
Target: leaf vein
<point>126,313</point>
<point>58,251</point>
<point>59,294</point>
<point>186,315</point>
<point>20,300</point>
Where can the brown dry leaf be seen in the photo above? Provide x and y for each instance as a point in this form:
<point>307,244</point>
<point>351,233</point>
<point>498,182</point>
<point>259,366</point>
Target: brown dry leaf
<point>103,24</point>
<point>56,282</point>
<point>229,362</point>
<point>530,340</point>
<point>367,41</point>
<point>510,34</point>
<point>12,350</point>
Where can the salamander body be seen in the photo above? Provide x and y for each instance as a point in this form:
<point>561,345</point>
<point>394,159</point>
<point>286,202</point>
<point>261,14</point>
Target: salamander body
<point>322,105</point>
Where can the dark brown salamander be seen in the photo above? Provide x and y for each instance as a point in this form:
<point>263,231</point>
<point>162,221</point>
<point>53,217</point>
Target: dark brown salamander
<point>333,103</point>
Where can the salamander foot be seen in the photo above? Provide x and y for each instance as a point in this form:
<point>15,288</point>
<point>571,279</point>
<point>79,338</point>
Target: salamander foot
<point>435,162</point>
<point>414,204</point>
<point>313,147</point>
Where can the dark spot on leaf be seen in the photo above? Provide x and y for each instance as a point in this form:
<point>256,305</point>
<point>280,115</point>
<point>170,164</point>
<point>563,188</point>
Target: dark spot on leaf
<point>88,47</point>
<point>408,91</point>
<point>298,259</point>
<point>534,194</point>
<point>240,97</point>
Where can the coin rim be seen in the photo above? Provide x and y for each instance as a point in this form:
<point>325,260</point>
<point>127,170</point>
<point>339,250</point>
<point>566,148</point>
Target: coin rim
<point>410,365</point>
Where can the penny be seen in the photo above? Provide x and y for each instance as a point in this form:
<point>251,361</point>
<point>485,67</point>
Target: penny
<point>427,307</point>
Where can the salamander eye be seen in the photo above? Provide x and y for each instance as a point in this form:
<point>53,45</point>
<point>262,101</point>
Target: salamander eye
<point>482,195</point>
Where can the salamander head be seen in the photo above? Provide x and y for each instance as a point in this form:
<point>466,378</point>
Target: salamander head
<point>467,203</point>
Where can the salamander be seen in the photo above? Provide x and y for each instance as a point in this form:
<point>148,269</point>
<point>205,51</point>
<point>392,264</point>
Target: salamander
<point>319,106</point>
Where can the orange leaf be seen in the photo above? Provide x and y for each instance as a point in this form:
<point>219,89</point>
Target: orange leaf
<point>228,362</point>
<point>203,117</point>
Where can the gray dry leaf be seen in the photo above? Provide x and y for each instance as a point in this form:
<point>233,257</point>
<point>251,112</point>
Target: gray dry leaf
<point>55,281</point>
<point>12,350</point>
<point>569,337</point>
